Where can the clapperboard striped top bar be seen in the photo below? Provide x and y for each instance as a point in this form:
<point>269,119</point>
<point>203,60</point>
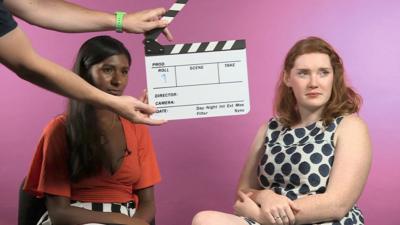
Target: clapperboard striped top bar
<point>203,47</point>
<point>169,16</point>
<point>174,10</point>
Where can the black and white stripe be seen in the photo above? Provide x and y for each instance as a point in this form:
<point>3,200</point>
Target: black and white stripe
<point>174,10</point>
<point>204,47</point>
<point>250,221</point>
<point>169,16</point>
<point>128,209</point>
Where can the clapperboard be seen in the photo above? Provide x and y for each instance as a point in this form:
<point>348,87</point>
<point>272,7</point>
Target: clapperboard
<point>195,80</point>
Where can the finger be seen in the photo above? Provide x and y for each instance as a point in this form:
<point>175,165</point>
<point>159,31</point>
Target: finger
<point>145,108</point>
<point>249,194</point>
<point>283,217</point>
<point>270,218</point>
<point>145,96</point>
<point>168,34</point>
<point>155,13</point>
<point>290,215</point>
<point>278,220</point>
<point>294,207</point>
<point>142,97</point>
<point>275,215</point>
<point>242,196</point>
<point>149,121</point>
<point>150,25</point>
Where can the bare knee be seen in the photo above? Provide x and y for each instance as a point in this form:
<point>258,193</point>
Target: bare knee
<point>204,218</point>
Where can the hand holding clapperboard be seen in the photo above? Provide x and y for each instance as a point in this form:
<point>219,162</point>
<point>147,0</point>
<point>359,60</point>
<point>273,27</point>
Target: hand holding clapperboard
<point>196,80</point>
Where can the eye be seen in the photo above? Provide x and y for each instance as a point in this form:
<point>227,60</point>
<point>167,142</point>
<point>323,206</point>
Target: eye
<point>125,72</point>
<point>302,73</point>
<point>324,73</point>
<point>107,70</point>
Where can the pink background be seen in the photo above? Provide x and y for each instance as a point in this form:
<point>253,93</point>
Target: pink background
<point>201,159</point>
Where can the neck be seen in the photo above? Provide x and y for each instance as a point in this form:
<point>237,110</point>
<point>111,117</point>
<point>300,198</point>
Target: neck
<point>106,117</point>
<point>309,116</point>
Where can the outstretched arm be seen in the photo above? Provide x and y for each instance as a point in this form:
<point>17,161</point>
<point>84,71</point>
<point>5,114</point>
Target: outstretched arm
<point>68,17</point>
<point>18,55</point>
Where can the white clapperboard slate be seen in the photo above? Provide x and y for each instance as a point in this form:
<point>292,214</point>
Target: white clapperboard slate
<point>196,80</point>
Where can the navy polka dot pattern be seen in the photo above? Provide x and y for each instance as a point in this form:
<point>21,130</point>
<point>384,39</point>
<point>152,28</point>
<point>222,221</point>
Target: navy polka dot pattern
<point>297,162</point>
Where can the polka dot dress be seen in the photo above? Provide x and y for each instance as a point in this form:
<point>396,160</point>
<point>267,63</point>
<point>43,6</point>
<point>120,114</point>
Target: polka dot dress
<point>297,162</point>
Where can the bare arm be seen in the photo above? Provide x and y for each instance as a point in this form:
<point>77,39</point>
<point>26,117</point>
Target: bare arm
<point>147,209</point>
<point>244,206</point>
<point>62,213</point>
<point>18,55</point>
<point>248,177</point>
<point>348,175</point>
<point>68,17</point>
<point>269,204</point>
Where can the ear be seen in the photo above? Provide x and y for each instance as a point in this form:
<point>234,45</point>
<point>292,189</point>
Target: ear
<point>286,79</point>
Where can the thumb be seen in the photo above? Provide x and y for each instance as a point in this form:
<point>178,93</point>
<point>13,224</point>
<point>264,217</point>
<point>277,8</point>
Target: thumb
<point>145,108</point>
<point>294,207</point>
<point>249,194</point>
<point>240,195</point>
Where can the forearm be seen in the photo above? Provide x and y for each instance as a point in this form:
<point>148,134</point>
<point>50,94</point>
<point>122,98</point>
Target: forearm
<point>317,208</point>
<point>55,78</point>
<point>61,15</point>
<point>32,67</point>
<point>146,211</point>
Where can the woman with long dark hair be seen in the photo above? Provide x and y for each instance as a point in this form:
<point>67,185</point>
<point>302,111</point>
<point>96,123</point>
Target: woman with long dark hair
<point>92,165</point>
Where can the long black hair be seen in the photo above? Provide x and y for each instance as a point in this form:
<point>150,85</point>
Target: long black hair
<point>84,139</point>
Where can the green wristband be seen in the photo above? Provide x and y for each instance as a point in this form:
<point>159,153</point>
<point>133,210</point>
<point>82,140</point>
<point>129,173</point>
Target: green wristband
<point>119,16</point>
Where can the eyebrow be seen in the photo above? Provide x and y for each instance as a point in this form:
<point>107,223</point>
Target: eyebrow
<point>321,68</point>
<point>113,65</point>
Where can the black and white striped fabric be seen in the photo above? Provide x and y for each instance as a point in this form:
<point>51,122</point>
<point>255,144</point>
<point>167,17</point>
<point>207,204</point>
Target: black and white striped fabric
<point>128,209</point>
<point>250,221</point>
<point>212,46</point>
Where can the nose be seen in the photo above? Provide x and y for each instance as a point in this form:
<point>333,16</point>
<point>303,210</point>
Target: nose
<point>116,79</point>
<point>313,83</point>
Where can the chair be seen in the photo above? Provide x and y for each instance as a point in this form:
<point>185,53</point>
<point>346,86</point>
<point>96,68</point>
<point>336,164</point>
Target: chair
<point>30,208</point>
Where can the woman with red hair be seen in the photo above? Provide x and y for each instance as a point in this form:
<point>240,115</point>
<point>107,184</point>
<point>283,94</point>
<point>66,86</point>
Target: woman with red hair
<point>309,163</point>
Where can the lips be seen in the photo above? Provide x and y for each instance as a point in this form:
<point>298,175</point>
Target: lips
<point>114,92</point>
<point>313,94</point>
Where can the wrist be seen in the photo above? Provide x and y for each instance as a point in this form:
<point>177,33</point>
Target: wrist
<point>112,103</point>
<point>119,19</point>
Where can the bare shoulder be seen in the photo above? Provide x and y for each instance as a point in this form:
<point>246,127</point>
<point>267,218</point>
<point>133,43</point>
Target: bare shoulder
<point>352,129</point>
<point>262,129</point>
<point>261,132</point>
<point>352,123</point>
